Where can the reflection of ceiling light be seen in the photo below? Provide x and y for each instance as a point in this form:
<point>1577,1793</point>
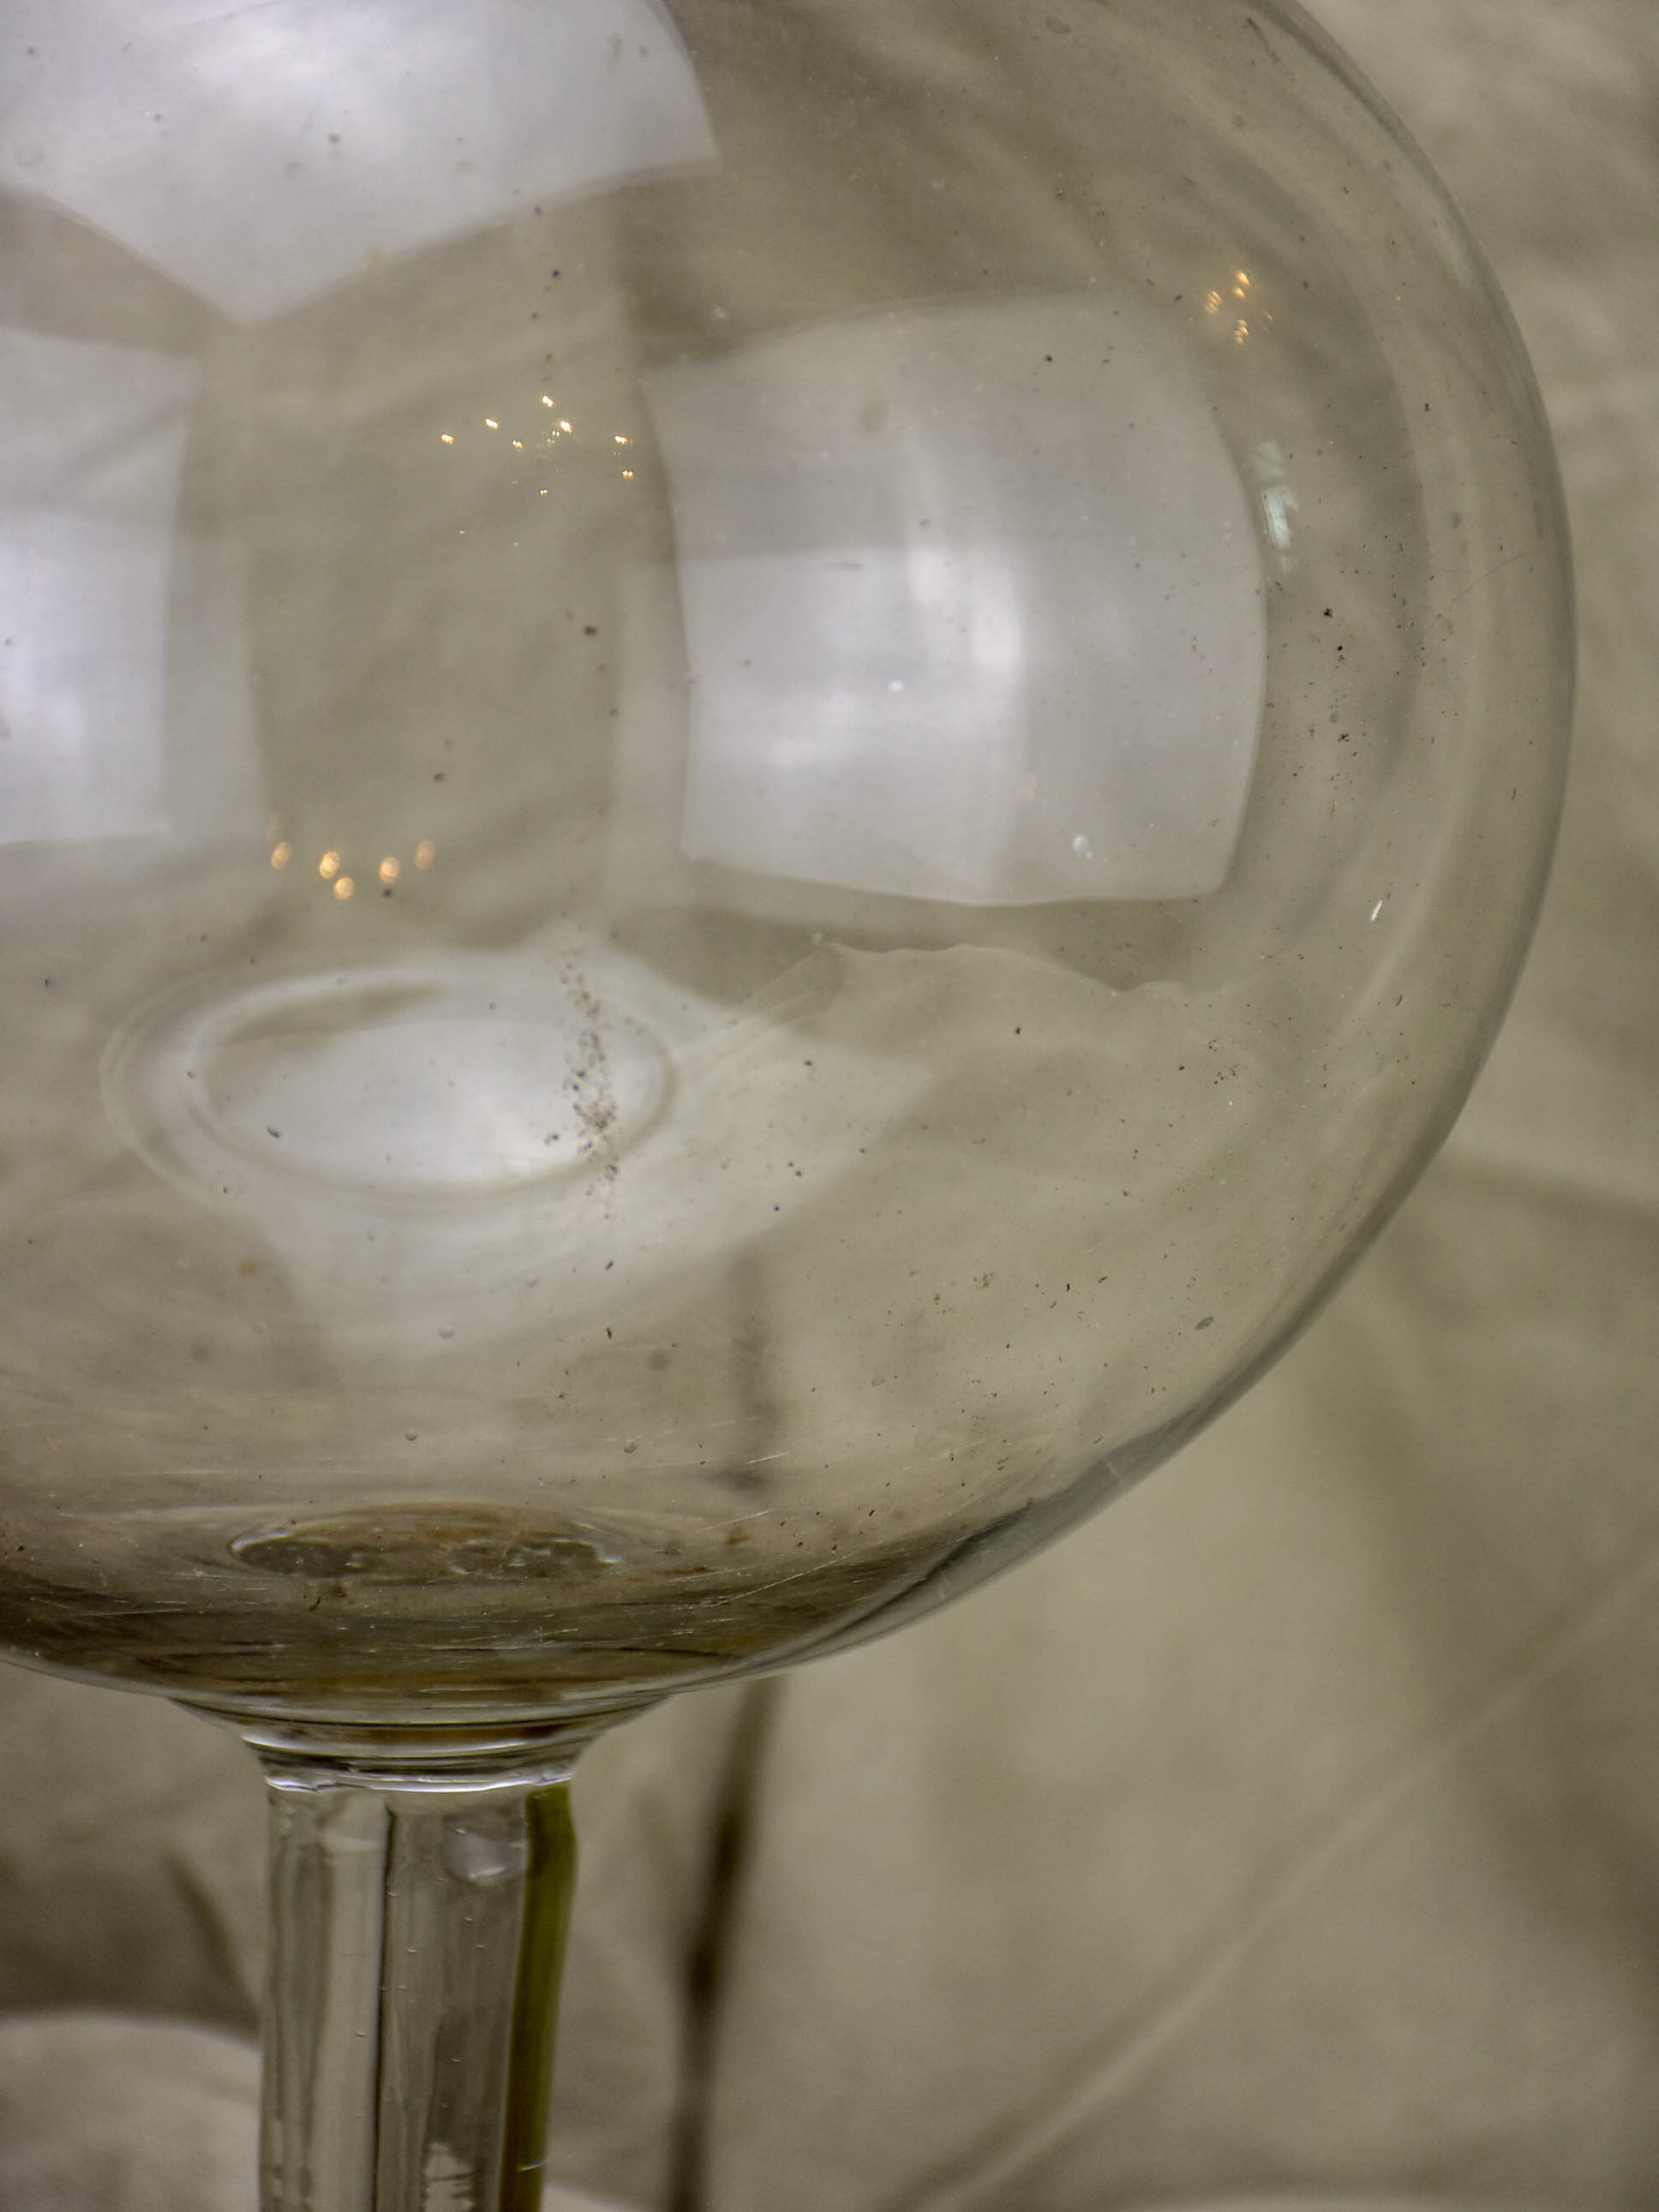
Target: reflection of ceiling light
<point>282,855</point>
<point>425,853</point>
<point>344,888</point>
<point>329,865</point>
<point>391,869</point>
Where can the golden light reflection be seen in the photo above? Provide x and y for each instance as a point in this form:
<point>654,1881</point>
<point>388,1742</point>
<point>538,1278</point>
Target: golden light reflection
<point>391,868</point>
<point>445,438</point>
<point>329,866</point>
<point>282,855</point>
<point>1241,332</point>
<point>425,853</point>
<point>1212,304</point>
<point>490,423</point>
<point>1240,285</point>
<point>619,440</point>
<point>563,425</point>
<point>546,401</point>
<point>344,888</point>
<point>628,476</point>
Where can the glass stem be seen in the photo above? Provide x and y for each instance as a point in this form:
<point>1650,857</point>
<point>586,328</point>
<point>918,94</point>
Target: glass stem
<point>417,1931</point>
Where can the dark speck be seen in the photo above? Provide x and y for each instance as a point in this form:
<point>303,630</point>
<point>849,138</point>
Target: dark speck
<point>590,629</point>
<point>270,1132</point>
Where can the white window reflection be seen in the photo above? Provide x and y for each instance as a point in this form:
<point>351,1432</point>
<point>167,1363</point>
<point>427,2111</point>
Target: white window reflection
<point>82,677</point>
<point>89,479</point>
<point>972,607</point>
<point>864,677</point>
<point>260,154</point>
<point>125,702</point>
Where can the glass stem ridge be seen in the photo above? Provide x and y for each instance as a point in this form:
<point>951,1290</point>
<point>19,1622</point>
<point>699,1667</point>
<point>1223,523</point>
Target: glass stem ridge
<point>417,1933</point>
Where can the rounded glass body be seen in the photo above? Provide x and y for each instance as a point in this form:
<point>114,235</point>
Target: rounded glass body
<point>764,768</point>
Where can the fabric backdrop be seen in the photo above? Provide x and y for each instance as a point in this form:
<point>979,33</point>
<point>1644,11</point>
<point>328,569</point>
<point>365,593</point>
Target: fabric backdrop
<point>1295,1826</point>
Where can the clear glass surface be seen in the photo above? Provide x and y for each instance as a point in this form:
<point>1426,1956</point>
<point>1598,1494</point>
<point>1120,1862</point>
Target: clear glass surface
<point>763,771</point>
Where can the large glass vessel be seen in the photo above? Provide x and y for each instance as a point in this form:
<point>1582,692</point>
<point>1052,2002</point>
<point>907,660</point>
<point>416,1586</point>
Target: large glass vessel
<point>763,768</point>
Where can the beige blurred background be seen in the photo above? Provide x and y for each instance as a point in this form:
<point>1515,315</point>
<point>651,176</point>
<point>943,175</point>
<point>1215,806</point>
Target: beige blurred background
<point>1294,1828</point>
